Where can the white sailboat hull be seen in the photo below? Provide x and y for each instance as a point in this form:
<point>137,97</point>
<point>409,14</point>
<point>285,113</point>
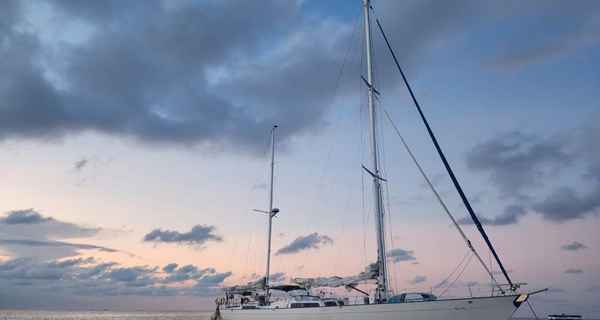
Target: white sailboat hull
<point>488,308</point>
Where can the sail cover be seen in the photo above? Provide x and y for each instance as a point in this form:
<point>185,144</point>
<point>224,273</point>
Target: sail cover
<point>371,272</point>
<point>249,287</point>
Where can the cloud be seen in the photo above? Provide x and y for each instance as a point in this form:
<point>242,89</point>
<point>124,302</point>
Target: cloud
<point>158,73</point>
<point>521,166</point>
<point>30,223</point>
<point>581,33</point>
<point>567,204</point>
<point>170,267</point>
<point>311,241</point>
<point>147,71</point>
<point>573,271</point>
<point>214,280</point>
<point>131,276</point>
<point>417,280</point>
<point>516,161</point>
<point>37,243</point>
<point>27,233</point>
<point>91,277</point>
<point>578,201</point>
<point>80,164</point>
<point>511,215</point>
<point>574,246</point>
<point>185,273</point>
<point>199,235</point>
<point>27,216</point>
<point>398,255</point>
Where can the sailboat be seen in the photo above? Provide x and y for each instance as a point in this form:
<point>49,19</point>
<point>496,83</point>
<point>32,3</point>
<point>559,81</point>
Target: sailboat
<point>254,300</point>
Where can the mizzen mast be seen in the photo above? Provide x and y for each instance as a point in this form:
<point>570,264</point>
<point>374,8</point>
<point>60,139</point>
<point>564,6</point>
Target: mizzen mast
<point>271,213</point>
<point>382,279</point>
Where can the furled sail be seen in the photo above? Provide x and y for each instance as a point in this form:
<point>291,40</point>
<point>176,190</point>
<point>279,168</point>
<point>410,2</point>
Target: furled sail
<point>249,287</point>
<point>371,272</point>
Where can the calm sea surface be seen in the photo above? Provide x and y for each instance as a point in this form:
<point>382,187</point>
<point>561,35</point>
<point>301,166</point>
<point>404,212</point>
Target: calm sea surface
<point>106,315</point>
<point>100,315</point>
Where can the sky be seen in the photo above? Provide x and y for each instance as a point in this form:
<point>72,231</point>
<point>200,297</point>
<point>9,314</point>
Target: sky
<point>134,143</point>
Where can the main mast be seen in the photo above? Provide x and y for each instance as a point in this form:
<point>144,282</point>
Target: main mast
<point>271,213</point>
<point>382,280</point>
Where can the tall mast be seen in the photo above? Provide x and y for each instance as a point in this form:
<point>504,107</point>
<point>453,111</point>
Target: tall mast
<point>382,280</point>
<point>271,213</point>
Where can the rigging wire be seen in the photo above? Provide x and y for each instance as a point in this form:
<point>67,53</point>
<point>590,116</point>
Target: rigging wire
<point>388,211</point>
<point>447,165</point>
<point>362,113</point>
<point>441,201</point>
<point>532,311</point>
<point>458,276</point>
<point>336,87</point>
<point>349,58</point>
<point>382,164</point>
<point>464,258</point>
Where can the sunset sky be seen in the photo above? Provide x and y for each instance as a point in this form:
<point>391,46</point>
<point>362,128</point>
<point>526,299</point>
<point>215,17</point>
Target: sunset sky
<point>134,145</point>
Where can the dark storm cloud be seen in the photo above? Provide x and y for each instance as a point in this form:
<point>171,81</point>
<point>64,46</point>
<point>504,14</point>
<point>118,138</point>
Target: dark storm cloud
<point>199,235</point>
<point>511,215</point>
<point>398,255</point>
<point>152,72</point>
<point>208,73</point>
<point>183,74</point>
<point>574,246</point>
<point>516,161</point>
<point>311,241</point>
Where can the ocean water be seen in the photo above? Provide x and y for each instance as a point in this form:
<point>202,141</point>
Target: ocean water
<point>112,315</point>
<point>106,315</point>
<point>100,315</point>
